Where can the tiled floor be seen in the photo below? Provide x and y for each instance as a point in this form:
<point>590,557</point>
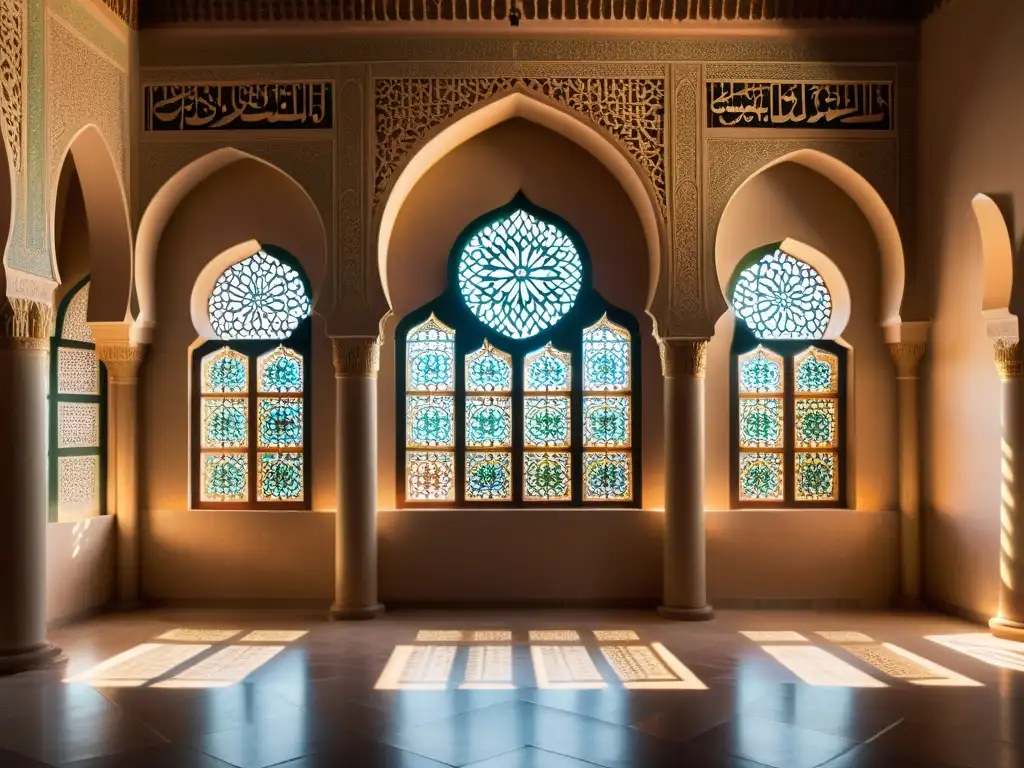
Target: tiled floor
<point>790,690</point>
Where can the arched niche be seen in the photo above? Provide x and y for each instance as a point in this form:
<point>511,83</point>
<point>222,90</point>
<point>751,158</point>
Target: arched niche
<point>90,229</point>
<point>996,256</point>
<point>528,105</point>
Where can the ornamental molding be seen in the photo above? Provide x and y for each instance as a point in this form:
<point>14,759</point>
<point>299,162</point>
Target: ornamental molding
<point>356,357</point>
<point>12,71</point>
<point>631,109</point>
<point>28,324</point>
<point>683,357</point>
<point>25,285</point>
<point>907,357</point>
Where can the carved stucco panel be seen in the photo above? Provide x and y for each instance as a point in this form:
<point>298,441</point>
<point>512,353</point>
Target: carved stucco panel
<point>355,263</point>
<point>685,214</point>
<point>82,87</point>
<point>12,67</point>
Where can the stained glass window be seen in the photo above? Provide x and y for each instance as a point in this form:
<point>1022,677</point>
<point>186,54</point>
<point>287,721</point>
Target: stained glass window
<point>519,379</point>
<point>251,409</point>
<point>788,396</point>
<point>77,413</point>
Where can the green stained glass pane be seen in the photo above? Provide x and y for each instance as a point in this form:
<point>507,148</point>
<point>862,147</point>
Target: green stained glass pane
<point>761,477</point>
<point>606,422</point>
<point>225,422</point>
<point>279,423</point>
<point>780,297</point>
<point>606,364</point>
<point>430,420</point>
<point>546,422</point>
<point>488,476</point>
<point>430,357</point>
<point>488,370</point>
<point>816,422</point>
<point>280,370</point>
<point>816,372</point>
<point>546,476</point>
<point>489,422</point>
<point>761,372</point>
<point>761,422</point>
<point>548,370</point>
<point>279,477</point>
<point>816,477</point>
<point>429,476</point>
<point>225,372</point>
<point>607,477</point>
<point>225,477</point>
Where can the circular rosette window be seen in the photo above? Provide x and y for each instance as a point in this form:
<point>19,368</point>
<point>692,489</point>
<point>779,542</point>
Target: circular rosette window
<point>520,275</point>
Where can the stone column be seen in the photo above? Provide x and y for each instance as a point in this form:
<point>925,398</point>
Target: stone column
<point>356,362</point>
<point>907,357</point>
<point>122,361</point>
<point>1009,623</point>
<point>24,373</point>
<point>683,362</point>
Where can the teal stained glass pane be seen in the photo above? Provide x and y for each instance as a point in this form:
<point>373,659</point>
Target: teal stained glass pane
<point>761,422</point>
<point>761,372</point>
<point>225,477</point>
<point>761,477</point>
<point>430,357</point>
<point>780,297</point>
<point>546,476</point>
<point>429,476</point>
<point>225,422</point>
<point>225,372</point>
<point>280,370</point>
<point>279,423</point>
<point>606,422</point>
<point>520,275</point>
<point>489,422</point>
<point>816,477</point>
<point>548,370</point>
<point>606,363</point>
<point>279,476</point>
<point>816,372</point>
<point>430,420</point>
<point>488,476</point>
<point>607,477</point>
<point>546,422</point>
<point>816,422</point>
<point>488,370</point>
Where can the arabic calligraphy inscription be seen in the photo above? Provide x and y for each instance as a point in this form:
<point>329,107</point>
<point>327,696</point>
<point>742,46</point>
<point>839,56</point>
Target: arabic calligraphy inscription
<point>258,106</point>
<point>830,106</point>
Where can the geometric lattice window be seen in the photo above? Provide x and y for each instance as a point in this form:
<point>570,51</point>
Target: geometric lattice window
<point>250,414</point>
<point>77,414</point>
<point>788,404</point>
<point>516,385</point>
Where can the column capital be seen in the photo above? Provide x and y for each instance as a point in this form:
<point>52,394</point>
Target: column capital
<point>356,356</point>
<point>1009,361</point>
<point>907,356</point>
<point>122,359</point>
<point>683,357</point>
<point>27,324</point>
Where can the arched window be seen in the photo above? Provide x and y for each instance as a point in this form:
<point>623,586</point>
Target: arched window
<point>517,385</point>
<point>78,417</point>
<point>250,389</point>
<point>788,386</point>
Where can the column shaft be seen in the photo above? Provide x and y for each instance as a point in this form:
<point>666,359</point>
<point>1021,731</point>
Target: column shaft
<point>685,580</point>
<point>356,362</point>
<point>24,372</point>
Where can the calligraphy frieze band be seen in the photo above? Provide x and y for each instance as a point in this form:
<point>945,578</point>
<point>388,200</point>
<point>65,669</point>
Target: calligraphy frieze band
<point>248,107</point>
<point>823,106</point>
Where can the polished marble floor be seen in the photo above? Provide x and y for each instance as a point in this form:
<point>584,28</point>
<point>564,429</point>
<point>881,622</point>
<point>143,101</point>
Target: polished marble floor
<point>527,689</point>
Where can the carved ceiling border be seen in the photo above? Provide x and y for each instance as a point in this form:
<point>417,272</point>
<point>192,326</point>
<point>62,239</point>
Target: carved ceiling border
<point>775,70</point>
<point>236,74</point>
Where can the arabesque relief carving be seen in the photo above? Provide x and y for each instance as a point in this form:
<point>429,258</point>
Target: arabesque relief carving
<point>28,324</point>
<point>631,109</point>
<point>12,40</point>
<point>683,357</point>
<point>685,192</point>
<point>356,356</point>
<point>907,357</point>
<point>1008,358</point>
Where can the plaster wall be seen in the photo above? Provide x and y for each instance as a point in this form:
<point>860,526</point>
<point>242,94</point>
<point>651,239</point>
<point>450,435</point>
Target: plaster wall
<point>971,110</point>
<point>79,567</point>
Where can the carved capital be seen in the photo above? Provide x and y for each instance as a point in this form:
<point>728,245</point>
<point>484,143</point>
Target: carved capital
<point>356,356</point>
<point>683,357</point>
<point>1009,362</point>
<point>907,356</point>
<point>121,359</point>
<point>28,324</point>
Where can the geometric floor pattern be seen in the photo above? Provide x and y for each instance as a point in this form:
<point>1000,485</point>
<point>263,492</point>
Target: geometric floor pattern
<point>519,689</point>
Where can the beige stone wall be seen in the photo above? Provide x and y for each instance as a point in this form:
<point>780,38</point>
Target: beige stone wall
<point>972,109</point>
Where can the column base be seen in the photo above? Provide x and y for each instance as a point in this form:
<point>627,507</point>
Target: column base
<point>1007,630</point>
<point>37,657</point>
<point>342,613</point>
<point>705,613</point>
